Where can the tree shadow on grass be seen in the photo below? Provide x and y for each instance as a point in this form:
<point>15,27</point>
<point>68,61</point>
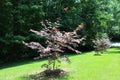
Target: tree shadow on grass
<point>113,52</point>
<point>19,63</point>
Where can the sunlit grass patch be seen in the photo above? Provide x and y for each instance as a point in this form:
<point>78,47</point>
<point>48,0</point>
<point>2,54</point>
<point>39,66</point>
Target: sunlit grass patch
<point>83,67</point>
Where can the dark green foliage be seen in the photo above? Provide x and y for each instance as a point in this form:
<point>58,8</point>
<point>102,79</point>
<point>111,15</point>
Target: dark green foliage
<point>18,16</point>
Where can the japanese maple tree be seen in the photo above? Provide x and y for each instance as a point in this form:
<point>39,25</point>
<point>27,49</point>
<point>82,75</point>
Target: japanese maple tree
<point>57,42</point>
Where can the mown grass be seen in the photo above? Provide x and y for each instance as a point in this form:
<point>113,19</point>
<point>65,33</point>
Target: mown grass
<point>83,67</point>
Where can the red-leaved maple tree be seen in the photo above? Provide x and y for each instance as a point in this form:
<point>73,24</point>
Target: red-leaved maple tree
<point>57,42</point>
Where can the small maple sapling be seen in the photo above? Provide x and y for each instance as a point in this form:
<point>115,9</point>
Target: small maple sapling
<point>57,42</point>
<point>101,44</point>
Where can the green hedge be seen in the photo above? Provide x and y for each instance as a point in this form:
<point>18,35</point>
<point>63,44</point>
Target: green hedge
<point>18,16</point>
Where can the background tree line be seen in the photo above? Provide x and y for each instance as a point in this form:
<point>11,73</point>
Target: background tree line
<point>100,18</point>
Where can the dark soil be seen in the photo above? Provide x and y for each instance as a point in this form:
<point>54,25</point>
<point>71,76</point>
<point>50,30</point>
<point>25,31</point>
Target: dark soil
<point>48,74</point>
<point>97,55</point>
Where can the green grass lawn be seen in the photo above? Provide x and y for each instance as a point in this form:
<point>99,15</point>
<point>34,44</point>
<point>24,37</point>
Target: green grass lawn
<point>83,67</point>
